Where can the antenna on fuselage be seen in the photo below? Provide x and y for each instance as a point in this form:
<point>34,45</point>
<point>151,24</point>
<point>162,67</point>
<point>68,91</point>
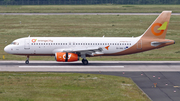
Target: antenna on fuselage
<point>29,36</point>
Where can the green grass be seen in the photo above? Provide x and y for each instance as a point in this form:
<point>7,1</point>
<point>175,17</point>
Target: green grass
<point>67,87</point>
<point>88,8</point>
<point>87,25</point>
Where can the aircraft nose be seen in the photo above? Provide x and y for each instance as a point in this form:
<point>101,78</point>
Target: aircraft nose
<point>6,49</point>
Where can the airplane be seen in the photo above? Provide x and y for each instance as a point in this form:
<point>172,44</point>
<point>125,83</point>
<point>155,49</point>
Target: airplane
<point>69,49</point>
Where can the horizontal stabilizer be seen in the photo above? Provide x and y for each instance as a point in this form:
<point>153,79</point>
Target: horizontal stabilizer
<point>155,43</point>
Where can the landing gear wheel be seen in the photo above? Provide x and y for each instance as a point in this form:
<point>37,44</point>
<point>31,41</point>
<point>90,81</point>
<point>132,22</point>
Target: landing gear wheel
<point>27,61</point>
<point>84,61</point>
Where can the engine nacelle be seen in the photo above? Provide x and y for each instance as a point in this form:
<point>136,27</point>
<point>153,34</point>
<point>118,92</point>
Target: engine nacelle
<point>66,57</point>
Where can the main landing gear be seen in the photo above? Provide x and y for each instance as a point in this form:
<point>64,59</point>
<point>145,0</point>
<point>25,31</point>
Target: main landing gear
<point>27,60</point>
<point>84,61</point>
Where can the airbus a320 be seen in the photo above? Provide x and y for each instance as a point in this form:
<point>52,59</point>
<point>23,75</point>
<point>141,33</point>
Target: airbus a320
<point>69,49</point>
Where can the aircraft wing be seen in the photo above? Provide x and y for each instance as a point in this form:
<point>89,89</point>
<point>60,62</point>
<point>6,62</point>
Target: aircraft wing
<point>89,51</point>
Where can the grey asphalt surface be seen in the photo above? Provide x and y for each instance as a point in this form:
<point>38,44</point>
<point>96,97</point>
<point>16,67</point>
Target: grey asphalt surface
<point>144,73</point>
<point>167,88</point>
<point>93,66</point>
<point>84,13</point>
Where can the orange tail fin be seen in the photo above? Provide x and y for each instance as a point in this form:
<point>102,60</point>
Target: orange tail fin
<point>159,27</point>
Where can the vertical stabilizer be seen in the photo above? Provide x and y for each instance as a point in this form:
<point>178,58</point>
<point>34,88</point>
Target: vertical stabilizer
<point>159,27</point>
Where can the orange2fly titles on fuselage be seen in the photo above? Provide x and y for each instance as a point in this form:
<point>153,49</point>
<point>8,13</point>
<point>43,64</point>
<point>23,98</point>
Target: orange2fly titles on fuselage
<point>68,49</point>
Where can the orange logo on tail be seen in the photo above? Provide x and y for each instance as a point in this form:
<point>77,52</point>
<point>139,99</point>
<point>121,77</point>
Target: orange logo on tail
<point>161,28</point>
<point>107,47</point>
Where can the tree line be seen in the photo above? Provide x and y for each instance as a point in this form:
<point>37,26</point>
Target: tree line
<point>85,2</point>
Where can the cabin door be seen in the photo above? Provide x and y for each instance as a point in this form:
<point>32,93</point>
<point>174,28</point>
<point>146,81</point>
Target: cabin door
<point>27,44</point>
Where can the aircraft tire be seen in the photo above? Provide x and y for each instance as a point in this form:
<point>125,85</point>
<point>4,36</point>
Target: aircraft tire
<point>27,62</point>
<point>85,62</point>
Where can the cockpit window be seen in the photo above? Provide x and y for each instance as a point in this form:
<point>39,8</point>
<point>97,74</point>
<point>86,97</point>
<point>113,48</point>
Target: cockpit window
<point>14,43</point>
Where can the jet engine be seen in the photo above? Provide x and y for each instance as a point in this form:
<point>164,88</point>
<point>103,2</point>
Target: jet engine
<point>66,57</point>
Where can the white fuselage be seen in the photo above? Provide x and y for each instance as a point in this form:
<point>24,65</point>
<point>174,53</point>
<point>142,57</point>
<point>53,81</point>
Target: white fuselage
<point>51,45</point>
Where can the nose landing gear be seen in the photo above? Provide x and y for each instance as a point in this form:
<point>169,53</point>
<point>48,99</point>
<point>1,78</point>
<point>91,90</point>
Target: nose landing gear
<point>27,60</point>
